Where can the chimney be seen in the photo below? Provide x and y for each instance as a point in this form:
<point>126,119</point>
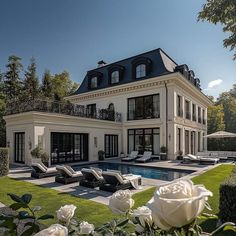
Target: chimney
<point>101,63</point>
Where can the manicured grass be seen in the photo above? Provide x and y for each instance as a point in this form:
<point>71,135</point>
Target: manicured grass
<point>50,200</point>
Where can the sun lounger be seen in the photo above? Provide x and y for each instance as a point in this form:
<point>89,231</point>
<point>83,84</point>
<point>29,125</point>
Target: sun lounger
<point>190,158</point>
<point>132,156</point>
<point>147,156</point>
<point>91,178</point>
<point>39,170</point>
<point>114,182</point>
<point>67,175</point>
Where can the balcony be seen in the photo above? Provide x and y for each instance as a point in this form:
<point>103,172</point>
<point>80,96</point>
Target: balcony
<point>66,108</point>
<point>132,115</point>
<point>188,115</point>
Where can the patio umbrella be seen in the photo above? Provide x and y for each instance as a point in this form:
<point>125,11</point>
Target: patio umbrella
<point>221,134</point>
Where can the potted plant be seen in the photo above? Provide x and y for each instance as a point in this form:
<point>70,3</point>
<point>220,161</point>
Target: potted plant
<point>180,155</point>
<point>45,158</point>
<point>36,154</point>
<point>122,155</point>
<point>163,153</point>
<point>101,154</point>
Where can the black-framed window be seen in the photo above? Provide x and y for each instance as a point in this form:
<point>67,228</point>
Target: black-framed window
<point>203,117</point>
<point>115,77</point>
<point>142,140</point>
<point>194,112</point>
<point>94,79</point>
<point>140,71</point>
<point>186,141</point>
<point>178,139</point>
<point>179,106</point>
<point>187,110</point>
<point>111,145</point>
<point>69,147</point>
<point>91,110</point>
<point>141,67</point>
<point>199,115</point>
<point>145,107</point>
<point>19,147</point>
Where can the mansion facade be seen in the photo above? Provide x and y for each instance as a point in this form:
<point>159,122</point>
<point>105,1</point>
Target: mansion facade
<point>140,103</point>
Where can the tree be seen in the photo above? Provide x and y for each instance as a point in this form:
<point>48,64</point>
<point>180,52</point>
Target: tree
<point>223,12</point>
<point>63,85</point>
<point>2,111</point>
<point>12,82</point>
<point>31,83</point>
<point>47,88</point>
<point>233,91</point>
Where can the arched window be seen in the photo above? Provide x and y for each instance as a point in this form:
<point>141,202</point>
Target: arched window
<point>115,77</point>
<point>140,71</point>
<point>94,82</point>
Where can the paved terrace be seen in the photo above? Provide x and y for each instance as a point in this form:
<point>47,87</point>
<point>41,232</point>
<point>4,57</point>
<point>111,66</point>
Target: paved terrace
<point>23,173</point>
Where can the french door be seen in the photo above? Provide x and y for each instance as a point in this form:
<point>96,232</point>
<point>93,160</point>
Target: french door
<point>69,147</point>
<point>20,147</point>
<point>111,145</point>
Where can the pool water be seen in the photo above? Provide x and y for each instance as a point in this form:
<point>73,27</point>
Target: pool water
<point>144,171</point>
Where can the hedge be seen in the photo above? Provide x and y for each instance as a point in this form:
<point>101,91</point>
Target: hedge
<point>4,161</point>
<point>227,204</point>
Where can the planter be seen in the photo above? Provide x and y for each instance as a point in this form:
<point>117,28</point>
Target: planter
<point>179,158</point>
<point>163,156</point>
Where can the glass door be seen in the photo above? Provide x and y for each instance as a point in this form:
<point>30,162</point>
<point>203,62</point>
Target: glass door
<point>111,145</point>
<point>20,147</point>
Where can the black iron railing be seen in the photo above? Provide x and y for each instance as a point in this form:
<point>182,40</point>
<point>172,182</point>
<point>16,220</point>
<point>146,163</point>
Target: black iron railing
<point>66,108</point>
<point>148,114</point>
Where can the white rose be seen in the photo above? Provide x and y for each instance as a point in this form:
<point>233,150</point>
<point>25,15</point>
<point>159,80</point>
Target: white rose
<point>65,213</point>
<point>86,228</point>
<point>54,230</point>
<point>144,214</point>
<point>121,202</point>
<point>177,203</point>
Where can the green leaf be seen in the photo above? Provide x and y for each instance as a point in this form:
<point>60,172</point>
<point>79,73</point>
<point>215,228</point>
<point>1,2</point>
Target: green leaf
<point>16,206</point>
<point>26,198</point>
<point>15,198</point>
<point>229,227</point>
<point>45,217</point>
<point>123,222</point>
<point>25,215</point>
<point>28,232</point>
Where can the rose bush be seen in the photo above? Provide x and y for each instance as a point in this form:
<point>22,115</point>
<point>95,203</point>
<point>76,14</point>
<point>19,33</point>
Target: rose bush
<point>144,215</point>
<point>121,202</point>
<point>54,230</point>
<point>178,203</point>
<point>65,213</point>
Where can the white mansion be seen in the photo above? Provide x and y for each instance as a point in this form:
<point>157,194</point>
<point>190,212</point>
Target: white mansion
<point>139,103</point>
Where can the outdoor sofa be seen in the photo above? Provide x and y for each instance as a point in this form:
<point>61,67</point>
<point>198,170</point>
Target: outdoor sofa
<point>92,178</point>
<point>190,158</point>
<point>39,170</point>
<point>131,157</point>
<point>147,156</point>
<point>67,175</point>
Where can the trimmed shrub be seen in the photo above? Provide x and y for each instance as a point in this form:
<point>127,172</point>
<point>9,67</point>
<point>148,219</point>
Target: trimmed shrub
<point>228,199</point>
<point>4,161</point>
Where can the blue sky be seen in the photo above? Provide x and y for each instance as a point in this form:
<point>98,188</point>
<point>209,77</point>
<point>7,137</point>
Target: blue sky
<point>74,35</point>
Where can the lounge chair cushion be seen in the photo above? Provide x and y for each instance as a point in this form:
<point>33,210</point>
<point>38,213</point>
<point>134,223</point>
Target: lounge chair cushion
<point>98,170</point>
<point>116,171</point>
<point>93,172</point>
<point>42,167</point>
<point>118,176</point>
<point>192,157</point>
<point>69,172</point>
<point>70,169</point>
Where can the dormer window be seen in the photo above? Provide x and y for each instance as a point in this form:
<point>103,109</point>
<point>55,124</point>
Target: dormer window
<point>115,77</point>
<point>141,67</point>
<point>94,82</point>
<point>94,79</point>
<point>140,71</point>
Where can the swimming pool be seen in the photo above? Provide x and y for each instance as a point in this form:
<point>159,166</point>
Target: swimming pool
<point>144,171</point>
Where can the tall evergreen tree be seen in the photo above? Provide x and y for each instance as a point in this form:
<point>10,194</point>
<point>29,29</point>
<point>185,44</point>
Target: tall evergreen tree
<point>2,111</point>
<point>31,83</point>
<point>12,82</point>
<point>47,87</point>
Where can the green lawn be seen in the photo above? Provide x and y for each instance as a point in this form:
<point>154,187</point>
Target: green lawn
<point>50,200</point>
